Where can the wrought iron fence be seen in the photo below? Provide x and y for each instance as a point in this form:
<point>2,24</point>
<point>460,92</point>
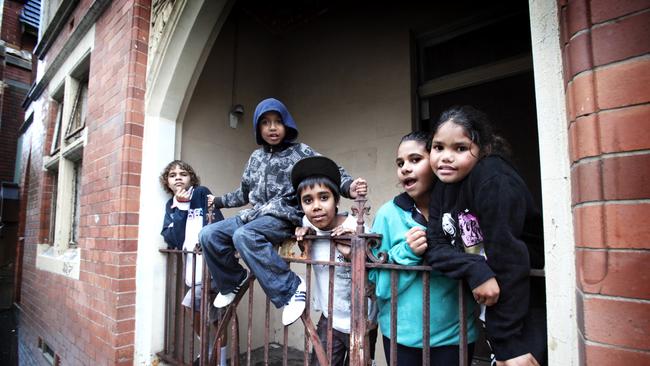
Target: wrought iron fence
<point>180,347</point>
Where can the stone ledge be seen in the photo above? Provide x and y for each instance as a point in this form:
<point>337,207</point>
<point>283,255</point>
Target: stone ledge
<point>62,262</point>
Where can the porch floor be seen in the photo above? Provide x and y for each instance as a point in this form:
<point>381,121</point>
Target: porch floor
<point>295,357</point>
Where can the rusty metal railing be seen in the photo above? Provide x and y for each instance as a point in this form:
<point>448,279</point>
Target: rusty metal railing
<point>180,348</point>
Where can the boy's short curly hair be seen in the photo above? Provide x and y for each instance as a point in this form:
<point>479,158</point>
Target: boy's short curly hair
<point>194,179</point>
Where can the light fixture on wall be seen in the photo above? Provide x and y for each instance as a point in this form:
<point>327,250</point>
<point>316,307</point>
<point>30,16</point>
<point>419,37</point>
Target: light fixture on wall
<point>235,115</point>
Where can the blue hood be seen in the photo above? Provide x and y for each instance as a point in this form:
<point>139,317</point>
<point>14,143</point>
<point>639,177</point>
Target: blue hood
<point>272,104</point>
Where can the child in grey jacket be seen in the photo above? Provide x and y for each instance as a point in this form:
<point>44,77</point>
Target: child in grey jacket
<point>266,186</point>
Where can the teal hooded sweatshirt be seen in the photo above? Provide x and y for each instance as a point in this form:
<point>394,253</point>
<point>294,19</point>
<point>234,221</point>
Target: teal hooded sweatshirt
<point>392,221</point>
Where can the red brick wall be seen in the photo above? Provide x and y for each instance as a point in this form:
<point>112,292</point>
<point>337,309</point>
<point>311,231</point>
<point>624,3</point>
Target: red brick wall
<point>11,28</point>
<point>606,49</point>
<point>11,120</point>
<point>12,115</point>
<point>91,320</point>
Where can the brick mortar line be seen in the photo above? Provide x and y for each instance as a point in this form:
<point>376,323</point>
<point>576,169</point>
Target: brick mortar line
<point>578,34</point>
<point>114,278</point>
<point>614,346</point>
<point>608,110</point>
<point>611,64</point>
<point>618,19</point>
<point>37,329</point>
<point>589,295</point>
<point>612,202</point>
<point>605,23</point>
<point>106,156</point>
<point>618,250</point>
<point>609,155</point>
<point>132,55</point>
<point>114,320</point>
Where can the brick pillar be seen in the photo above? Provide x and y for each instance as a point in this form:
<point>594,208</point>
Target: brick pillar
<point>606,46</point>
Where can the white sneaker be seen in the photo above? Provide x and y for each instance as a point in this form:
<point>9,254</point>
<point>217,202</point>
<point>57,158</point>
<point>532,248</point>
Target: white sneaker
<point>223,300</point>
<point>296,305</point>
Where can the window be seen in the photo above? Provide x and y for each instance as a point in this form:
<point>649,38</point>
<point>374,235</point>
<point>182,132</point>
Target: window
<point>469,53</point>
<point>54,175</point>
<point>56,139</point>
<point>78,114</point>
<point>65,162</point>
<point>76,206</point>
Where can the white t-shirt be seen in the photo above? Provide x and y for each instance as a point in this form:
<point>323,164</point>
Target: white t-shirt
<point>193,226</point>
<point>320,251</point>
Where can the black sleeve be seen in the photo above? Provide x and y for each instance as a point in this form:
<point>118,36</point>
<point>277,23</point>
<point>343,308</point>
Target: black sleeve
<point>502,207</point>
<point>442,256</point>
<point>173,229</point>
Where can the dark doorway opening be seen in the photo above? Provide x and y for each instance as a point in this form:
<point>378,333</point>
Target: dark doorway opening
<point>484,60</point>
<point>510,103</point>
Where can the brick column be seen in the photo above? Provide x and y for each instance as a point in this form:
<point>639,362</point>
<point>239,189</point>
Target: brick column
<point>606,48</point>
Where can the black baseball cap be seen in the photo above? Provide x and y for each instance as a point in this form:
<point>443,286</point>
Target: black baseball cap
<point>315,166</point>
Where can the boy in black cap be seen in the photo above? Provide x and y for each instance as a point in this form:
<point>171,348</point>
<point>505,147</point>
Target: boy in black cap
<point>316,181</point>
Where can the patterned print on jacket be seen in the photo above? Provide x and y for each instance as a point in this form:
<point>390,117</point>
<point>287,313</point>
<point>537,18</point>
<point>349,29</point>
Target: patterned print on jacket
<point>266,183</point>
<point>464,225</point>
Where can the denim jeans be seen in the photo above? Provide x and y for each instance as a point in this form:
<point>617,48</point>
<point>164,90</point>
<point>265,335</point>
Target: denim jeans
<point>254,241</point>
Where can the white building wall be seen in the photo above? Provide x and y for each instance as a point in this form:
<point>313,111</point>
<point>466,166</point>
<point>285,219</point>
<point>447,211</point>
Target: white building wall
<point>556,184</point>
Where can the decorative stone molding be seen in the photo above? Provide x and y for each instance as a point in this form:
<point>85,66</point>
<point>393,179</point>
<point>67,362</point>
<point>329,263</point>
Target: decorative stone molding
<point>164,17</point>
<point>85,25</point>
<point>54,27</point>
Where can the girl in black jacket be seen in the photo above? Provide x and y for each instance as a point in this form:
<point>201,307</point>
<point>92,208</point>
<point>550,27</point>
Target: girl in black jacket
<point>484,228</point>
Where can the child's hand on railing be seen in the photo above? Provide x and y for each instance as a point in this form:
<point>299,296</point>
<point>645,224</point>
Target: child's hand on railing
<point>523,360</point>
<point>359,187</point>
<point>342,246</point>
<point>487,293</point>
<point>300,236</point>
<point>417,240</point>
<point>340,231</point>
<point>302,231</point>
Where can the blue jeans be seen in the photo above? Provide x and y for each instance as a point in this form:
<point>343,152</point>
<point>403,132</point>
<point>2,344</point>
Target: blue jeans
<point>254,241</point>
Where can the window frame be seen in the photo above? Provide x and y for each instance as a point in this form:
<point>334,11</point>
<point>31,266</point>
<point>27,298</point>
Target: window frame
<point>66,159</point>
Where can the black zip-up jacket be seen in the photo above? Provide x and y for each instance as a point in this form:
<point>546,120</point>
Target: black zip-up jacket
<point>175,220</point>
<point>492,208</point>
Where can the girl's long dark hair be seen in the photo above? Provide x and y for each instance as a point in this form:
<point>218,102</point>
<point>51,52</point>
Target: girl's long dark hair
<point>478,128</point>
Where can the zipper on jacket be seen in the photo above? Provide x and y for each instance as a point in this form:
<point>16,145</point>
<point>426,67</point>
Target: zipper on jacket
<point>266,174</point>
